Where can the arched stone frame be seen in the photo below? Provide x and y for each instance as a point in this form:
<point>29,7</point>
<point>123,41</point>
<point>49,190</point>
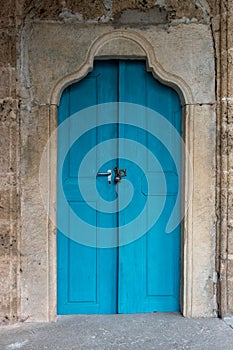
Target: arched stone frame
<point>131,45</point>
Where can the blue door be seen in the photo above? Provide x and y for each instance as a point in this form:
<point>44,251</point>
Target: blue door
<point>139,269</point>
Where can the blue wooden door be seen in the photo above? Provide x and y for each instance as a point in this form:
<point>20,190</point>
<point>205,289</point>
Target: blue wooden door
<point>149,268</point>
<point>142,276</point>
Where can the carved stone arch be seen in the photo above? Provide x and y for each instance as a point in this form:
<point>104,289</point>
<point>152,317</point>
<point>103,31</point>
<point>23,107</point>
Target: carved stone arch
<point>129,44</point>
<point>124,44</point>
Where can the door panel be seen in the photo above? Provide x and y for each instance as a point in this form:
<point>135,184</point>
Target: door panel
<point>142,276</point>
<point>87,277</point>
<point>149,267</point>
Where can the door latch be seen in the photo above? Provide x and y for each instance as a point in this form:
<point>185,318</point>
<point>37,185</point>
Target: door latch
<point>119,173</point>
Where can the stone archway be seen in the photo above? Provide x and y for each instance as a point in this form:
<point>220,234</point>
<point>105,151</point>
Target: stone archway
<point>53,69</point>
<point>129,44</point>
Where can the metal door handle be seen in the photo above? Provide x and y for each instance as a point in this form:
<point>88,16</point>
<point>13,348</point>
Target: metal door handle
<point>107,173</point>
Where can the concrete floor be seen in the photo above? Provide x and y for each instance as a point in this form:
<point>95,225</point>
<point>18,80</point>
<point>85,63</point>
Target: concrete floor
<point>141,331</point>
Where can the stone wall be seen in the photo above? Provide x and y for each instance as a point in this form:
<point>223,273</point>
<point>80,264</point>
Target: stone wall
<point>222,23</point>
<point>16,18</point>
<point>9,157</point>
<point>102,11</point>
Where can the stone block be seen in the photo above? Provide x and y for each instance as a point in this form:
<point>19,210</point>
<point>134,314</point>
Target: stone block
<point>230,9</point>
<point>7,82</point>
<point>213,7</point>
<point>230,237</point>
<point>5,285</point>
<point>194,42</point>
<point>8,47</point>
<point>120,48</point>
<point>229,106</point>
<point>45,9</point>
<point>49,60</point>
<point>6,22</point>
<point>179,9</point>
<point>7,13</point>
<point>5,198</point>
<point>203,207</point>
<point>34,234</point>
<point>154,15</point>
<point>8,285</point>
<point>8,239</point>
<point>9,135</point>
<point>230,286</point>
<point>8,198</point>
<point>121,5</point>
<point>5,148</point>
<point>35,132</point>
<point>90,9</point>
<point>7,8</point>
<point>5,240</point>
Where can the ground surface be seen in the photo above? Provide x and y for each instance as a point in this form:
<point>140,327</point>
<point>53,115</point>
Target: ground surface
<point>141,331</point>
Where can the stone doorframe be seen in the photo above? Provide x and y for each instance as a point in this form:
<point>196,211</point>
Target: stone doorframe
<point>129,45</point>
<point>198,284</point>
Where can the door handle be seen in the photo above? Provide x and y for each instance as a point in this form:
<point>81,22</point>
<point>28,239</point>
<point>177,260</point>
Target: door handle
<point>106,173</point>
<point>119,173</point>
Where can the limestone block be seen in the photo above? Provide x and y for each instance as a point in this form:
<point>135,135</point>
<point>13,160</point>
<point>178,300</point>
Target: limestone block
<point>230,170</point>
<point>184,50</point>
<point>229,111</point>
<point>180,9</point>
<point>34,136</point>
<point>153,16</point>
<point>45,9</point>
<point>4,239</point>
<point>7,47</point>
<point>8,135</point>
<point>34,251</point>
<point>5,282</point>
<point>187,51</point>
<point>34,234</point>
<point>7,14</point>
<point>121,5</point>
<point>8,198</point>
<point>88,9</point>
<point>204,211</point>
<point>212,6</point>
<point>7,8</point>
<point>9,203</point>
<point>230,203</point>
<point>7,82</point>
<point>174,9</point>
<point>8,295</point>
<point>120,48</point>
<point>49,61</point>
<point>230,237</point>
<point>230,8</point>
<point>230,287</point>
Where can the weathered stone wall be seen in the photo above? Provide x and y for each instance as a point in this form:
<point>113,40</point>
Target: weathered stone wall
<point>223,33</point>
<point>9,148</point>
<point>112,10</point>
<point>16,19</point>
